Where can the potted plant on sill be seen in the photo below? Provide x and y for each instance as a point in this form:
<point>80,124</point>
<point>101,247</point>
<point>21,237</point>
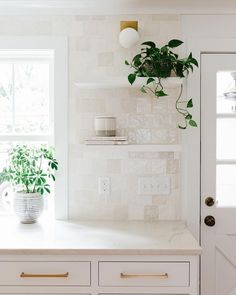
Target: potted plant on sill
<point>29,170</point>
<point>155,64</point>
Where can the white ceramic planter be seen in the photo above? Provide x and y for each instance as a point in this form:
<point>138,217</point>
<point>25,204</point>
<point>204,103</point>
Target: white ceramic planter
<point>105,126</point>
<point>28,207</point>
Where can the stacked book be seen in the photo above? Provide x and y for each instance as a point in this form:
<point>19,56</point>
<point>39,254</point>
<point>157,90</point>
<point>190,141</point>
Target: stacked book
<point>109,140</point>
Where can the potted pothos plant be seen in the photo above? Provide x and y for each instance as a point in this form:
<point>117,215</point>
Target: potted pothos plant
<point>29,171</point>
<point>155,64</point>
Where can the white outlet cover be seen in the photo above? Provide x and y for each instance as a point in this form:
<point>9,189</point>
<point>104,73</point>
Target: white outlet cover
<point>104,185</point>
<point>154,185</point>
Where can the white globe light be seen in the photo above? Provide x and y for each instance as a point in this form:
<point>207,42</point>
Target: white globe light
<point>128,37</point>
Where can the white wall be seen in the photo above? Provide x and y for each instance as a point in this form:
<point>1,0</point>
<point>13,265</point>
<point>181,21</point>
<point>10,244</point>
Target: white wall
<point>142,118</point>
<point>209,26</point>
<point>94,51</point>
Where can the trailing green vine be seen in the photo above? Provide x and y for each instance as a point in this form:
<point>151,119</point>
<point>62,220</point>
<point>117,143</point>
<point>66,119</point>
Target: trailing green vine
<point>156,64</point>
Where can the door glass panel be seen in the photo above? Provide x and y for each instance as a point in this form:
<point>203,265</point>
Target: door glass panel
<point>226,185</point>
<point>225,142</point>
<point>224,83</point>
<point>226,138</point>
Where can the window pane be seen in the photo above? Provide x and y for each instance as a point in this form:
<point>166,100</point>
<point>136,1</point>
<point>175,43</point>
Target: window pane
<point>226,185</point>
<point>6,88</point>
<point>224,82</point>
<point>25,85</point>
<point>226,138</point>
<point>5,190</point>
<point>32,97</point>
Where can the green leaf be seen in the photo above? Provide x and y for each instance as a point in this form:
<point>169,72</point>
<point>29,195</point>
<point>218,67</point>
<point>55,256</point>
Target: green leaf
<point>190,103</point>
<point>149,43</point>
<point>143,90</point>
<point>164,48</point>
<point>53,166</point>
<point>136,60</point>
<point>137,56</point>
<point>131,78</point>
<point>43,179</point>
<point>160,93</point>
<point>175,43</point>
<point>191,67</point>
<point>47,190</point>
<point>194,61</point>
<point>192,123</point>
<point>150,80</point>
<point>188,117</point>
<point>126,62</point>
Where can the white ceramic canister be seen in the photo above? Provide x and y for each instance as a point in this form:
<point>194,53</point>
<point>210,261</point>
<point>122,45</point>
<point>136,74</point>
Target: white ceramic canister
<point>105,126</point>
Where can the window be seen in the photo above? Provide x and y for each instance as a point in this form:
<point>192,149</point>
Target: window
<point>26,104</point>
<point>33,72</point>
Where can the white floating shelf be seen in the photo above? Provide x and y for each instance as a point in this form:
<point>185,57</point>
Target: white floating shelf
<point>122,82</point>
<point>131,148</point>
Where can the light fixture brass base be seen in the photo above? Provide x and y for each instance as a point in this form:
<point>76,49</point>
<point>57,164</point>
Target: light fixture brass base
<point>128,24</point>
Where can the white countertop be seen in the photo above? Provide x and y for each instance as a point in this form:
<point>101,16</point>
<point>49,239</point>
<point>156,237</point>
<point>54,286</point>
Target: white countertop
<point>97,237</point>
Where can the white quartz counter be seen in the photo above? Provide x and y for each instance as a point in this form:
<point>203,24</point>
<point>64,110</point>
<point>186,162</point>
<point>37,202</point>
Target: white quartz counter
<point>95,238</point>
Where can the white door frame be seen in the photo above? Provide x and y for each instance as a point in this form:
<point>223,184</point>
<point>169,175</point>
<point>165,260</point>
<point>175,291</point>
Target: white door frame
<point>192,137</point>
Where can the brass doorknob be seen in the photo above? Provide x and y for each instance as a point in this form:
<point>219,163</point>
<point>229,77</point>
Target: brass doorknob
<point>210,220</point>
<point>209,201</point>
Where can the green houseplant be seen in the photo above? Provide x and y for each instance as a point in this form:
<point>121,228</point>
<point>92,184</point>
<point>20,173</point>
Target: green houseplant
<point>29,170</point>
<point>156,64</point>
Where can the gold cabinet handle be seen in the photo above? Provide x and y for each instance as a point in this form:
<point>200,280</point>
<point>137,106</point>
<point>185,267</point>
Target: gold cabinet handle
<point>143,276</point>
<point>29,275</point>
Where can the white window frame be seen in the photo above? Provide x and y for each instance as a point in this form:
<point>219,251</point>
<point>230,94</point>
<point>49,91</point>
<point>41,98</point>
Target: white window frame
<point>60,48</point>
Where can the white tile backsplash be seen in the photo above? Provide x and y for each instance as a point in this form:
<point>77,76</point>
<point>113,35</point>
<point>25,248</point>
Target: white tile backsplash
<point>94,50</point>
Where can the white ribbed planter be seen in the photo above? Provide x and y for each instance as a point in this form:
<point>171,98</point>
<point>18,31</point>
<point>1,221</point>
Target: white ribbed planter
<point>28,207</point>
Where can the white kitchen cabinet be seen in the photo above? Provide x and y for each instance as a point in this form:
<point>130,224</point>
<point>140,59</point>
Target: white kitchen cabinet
<point>99,274</point>
<point>45,273</point>
<point>99,258</point>
<point>140,274</point>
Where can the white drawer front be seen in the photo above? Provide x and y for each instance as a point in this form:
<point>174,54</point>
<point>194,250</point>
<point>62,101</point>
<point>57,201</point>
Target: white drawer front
<point>144,274</point>
<point>34,273</point>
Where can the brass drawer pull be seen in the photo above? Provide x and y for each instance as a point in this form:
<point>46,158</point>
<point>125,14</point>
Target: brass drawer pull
<point>29,275</point>
<point>143,276</point>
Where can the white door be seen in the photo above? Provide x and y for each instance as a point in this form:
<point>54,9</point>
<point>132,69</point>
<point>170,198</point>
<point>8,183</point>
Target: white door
<point>218,176</point>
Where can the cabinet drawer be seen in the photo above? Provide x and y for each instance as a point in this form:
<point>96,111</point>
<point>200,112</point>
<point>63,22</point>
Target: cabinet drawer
<point>144,274</point>
<point>33,273</point>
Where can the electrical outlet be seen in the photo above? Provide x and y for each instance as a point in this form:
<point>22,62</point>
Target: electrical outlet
<point>104,186</point>
<point>154,185</point>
